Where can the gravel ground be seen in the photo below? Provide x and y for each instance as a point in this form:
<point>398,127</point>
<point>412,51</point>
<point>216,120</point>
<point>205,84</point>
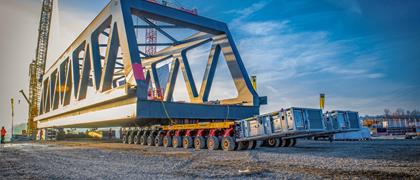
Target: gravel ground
<point>378,159</point>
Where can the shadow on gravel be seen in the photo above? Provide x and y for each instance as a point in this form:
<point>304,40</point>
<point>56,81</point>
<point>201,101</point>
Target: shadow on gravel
<point>395,150</point>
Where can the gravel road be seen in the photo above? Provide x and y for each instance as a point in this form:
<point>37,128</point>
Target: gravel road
<point>378,159</point>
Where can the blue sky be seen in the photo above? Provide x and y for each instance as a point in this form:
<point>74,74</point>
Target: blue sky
<point>363,54</point>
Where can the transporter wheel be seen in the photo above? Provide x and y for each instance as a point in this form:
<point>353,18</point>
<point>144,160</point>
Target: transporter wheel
<point>143,140</point>
<point>273,142</point>
<point>252,145</point>
<point>187,142</point>
<point>130,138</point>
<point>199,142</point>
<point>158,141</point>
<point>283,143</point>
<point>228,144</point>
<point>288,142</point>
<point>136,139</point>
<point>213,143</point>
<point>151,140</point>
<point>167,141</point>
<point>293,143</point>
<point>176,142</point>
<point>242,145</point>
<point>124,139</point>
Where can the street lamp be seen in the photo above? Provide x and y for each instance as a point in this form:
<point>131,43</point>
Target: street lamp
<point>13,114</point>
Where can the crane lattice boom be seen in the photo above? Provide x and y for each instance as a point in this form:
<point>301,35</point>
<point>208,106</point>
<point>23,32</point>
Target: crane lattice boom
<point>37,67</point>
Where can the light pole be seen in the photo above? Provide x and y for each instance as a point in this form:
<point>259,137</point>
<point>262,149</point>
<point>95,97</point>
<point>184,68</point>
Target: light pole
<point>13,114</point>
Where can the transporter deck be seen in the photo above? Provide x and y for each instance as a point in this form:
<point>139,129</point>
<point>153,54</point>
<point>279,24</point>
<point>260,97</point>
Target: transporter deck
<point>281,128</point>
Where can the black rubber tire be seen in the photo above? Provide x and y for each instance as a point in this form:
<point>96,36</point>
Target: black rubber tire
<point>187,142</point>
<point>151,140</point>
<point>199,142</point>
<point>130,138</point>
<point>213,143</point>
<point>167,141</point>
<point>272,142</point>
<point>294,142</point>
<point>143,140</point>
<point>124,139</point>
<point>252,145</point>
<point>228,143</point>
<point>136,139</point>
<point>176,141</point>
<point>158,141</point>
<point>288,142</point>
<point>243,145</point>
<point>283,143</point>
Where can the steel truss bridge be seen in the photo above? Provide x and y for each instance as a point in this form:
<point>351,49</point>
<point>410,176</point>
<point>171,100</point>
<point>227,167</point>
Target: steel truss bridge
<point>103,78</point>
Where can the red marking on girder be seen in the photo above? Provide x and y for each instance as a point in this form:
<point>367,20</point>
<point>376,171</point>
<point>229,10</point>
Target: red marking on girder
<point>168,133</point>
<point>178,133</point>
<point>188,133</point>
<point>228,132</point>
<point>213,132</point>
<point>138,71</point>
<point>200,132</point>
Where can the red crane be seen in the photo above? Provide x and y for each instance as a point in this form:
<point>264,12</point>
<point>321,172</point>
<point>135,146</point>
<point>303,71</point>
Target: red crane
<point>151,33</point>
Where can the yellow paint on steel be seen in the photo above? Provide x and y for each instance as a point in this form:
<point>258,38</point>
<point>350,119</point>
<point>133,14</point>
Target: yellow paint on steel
<point>214,125</point>
<point>321,101</point>
<point>95,134</point>
<point>254,82</point>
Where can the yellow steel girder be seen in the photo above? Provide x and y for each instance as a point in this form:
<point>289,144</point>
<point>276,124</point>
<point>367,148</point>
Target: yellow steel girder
<point>213,125</point>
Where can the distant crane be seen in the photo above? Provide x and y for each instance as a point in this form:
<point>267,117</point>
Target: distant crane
<point>151,33</point>
<point>37,66</point>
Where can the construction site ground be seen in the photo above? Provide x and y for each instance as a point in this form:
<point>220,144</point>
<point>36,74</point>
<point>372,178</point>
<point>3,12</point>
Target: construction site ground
<point>377,159</point>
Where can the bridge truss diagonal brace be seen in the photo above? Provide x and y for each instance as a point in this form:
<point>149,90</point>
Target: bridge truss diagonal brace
<point>128,42</point>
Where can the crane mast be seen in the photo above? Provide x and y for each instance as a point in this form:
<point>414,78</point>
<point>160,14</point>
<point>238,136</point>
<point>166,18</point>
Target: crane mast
<point>37,66</point>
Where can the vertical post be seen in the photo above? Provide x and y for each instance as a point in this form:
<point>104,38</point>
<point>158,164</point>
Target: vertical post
<point>321,101</point>
<point>13,114</point>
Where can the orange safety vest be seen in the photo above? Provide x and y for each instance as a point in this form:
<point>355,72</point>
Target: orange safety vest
<point>3,132</point>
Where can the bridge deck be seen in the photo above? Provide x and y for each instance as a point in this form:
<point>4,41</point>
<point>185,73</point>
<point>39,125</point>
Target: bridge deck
<point>145,112</point>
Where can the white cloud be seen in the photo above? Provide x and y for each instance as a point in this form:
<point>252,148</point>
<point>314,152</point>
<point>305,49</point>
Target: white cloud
<point>350,5</point>
<point>375,75</point>
<point>281,55</point>
<point>293,67</point>
<point>246,12</point>
<point>264,27</point>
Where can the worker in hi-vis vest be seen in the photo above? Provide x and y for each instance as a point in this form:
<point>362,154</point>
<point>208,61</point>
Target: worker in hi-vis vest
<point>3,134</point>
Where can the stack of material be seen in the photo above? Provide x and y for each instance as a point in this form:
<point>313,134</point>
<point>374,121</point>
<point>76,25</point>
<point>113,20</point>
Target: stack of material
<point>362,134</point>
